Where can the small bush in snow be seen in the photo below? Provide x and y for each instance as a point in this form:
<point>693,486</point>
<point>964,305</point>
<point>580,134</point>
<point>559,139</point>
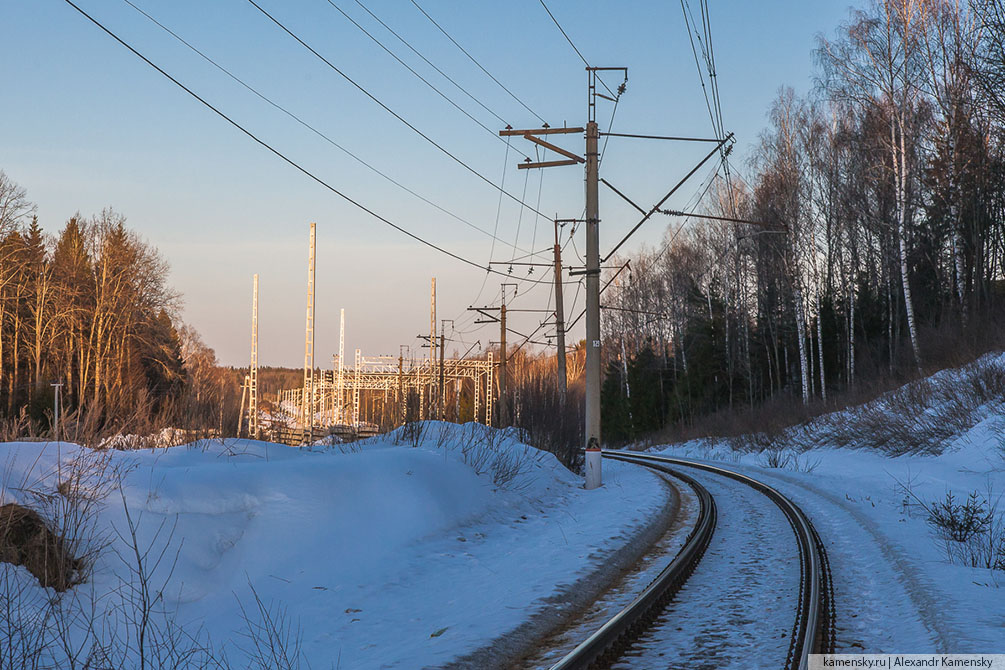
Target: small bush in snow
<point>445,432</point>
<point>970,531</point>
<point>272,640</point>
<point>412,433</point>
<point>774,458</point>
<point>959,522</point>
<point>484,451</point>
<point>804,463</point>
<point>787,460</point>
<point>998,432</point>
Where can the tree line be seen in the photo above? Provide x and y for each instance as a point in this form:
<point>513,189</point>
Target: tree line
<point>877,222</point>
<point>90,308</point>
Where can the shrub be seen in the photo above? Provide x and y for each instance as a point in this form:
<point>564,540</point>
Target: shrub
<point>774,458</point>
<point>959,522</point>
<point>971,532</point>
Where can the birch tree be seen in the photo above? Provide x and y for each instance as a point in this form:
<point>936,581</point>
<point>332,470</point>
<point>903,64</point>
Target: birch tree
<point>879,62</point>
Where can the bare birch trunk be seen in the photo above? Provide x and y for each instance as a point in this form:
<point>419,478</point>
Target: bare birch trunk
<point>820,349</point>
<point>797,298</point>
<point>901,167</point>
<point>851,337</point>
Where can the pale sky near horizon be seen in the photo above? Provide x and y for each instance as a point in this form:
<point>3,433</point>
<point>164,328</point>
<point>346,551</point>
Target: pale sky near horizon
<point>88,125</point>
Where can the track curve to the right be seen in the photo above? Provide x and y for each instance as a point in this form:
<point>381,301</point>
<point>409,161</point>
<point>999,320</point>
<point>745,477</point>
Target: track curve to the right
<point>813,627</point>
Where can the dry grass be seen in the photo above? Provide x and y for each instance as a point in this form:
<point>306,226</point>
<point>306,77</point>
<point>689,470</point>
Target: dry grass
<point>893,415</point>
<point>25,539</point>
<point>772,424</point>
<point>919,417</point>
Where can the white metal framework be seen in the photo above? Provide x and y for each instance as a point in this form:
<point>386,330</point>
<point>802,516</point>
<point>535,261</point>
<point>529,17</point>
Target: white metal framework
<point>386,381</point>
<point>253,373</point>
<point>307,397</point>
<point>339,418</point>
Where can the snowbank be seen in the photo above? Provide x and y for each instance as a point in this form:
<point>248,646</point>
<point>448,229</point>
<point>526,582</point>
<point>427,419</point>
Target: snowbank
<point>896,590</point>
<point>383,554</point>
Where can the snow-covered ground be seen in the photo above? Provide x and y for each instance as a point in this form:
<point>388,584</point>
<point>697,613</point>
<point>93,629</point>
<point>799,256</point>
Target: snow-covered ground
<point>382,554</point>
<point>736,609</point>
<point>896,592</point>
<point>419,549</point>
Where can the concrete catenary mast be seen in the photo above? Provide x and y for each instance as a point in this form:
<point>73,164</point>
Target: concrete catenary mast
<point>307,401</point>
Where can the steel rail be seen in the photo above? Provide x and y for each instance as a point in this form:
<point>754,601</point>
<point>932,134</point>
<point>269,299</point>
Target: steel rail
<point>813,631</point>
<point>607,642</point>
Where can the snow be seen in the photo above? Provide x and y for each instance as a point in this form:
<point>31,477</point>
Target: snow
<point>419,548</point>
<point>736,609</point>
<point>895,590</point>
<point>383,555</point>
<point>626,589</point>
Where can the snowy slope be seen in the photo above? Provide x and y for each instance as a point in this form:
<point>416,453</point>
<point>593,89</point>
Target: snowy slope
<point>895,589</point>
<point>383,555</point>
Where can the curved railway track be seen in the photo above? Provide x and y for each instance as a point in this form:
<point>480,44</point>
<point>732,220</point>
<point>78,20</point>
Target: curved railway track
<point>813,628</point>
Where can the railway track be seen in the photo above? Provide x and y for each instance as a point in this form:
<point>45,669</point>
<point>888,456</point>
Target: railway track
<point>813,627</point>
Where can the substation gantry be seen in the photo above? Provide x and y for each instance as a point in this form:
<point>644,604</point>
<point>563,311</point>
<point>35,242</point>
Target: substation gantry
<point>385,391</point>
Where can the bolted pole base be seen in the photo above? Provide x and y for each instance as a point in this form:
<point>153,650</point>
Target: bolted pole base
<point>593,468</point>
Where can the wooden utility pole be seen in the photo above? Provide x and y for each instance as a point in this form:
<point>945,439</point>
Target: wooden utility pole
<point>504,408</point>
<point>560,317</point>
<point>57,388</point>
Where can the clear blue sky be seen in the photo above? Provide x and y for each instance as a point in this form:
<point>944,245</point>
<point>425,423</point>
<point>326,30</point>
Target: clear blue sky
<point>86,125</point>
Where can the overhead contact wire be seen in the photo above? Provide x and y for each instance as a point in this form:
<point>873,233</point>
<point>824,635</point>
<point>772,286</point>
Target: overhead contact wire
<point>473,60</point>
<point>381,104</point>
<point>272,149</point>
<point>304,124</point>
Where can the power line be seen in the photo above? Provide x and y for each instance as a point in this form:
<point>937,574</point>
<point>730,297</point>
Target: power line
<point>495,230</point>
<point>688,22</point>
<point>713,75</point>
<point>431,64</point>
<point>665,198</point>
<point>714,105</point>
<point>425,81</point>
<point>540,187</point>
<point>664,137</point>
<point>710,217</point>
<point>695,200</point>
<point>472,58</point>
<point>519,218</point>
<point>571,44</point>
<point>610,127</point>
<point>306,125</point>
<point>382,105</point>
<point>546,281</point>
<point>272,149</point>
<point>604,288</point>
<point>616,96</point>
<point>565,35</point>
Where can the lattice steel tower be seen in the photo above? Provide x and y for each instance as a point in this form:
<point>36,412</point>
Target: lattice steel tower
<point>253,372</point>
<point>341,357</point>
<point>307,404</point>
